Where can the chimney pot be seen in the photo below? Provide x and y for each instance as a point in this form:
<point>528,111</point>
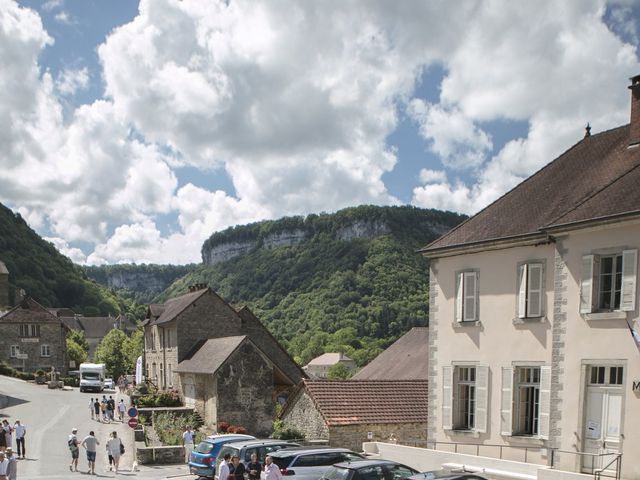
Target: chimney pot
<point>634,126</point>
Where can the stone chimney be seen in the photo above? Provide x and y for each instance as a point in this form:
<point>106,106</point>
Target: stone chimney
<point>634,127</point>
<point>197,286</point>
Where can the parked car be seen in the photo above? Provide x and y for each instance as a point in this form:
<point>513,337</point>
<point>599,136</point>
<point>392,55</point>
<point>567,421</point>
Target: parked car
<point>447,475</point>
<point>203,458</point>
<point>305,463</point>
<point>261,448</point>
<point>369,470</point>
<point>108,383</point>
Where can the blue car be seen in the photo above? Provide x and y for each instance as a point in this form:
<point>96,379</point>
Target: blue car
<point>203,458</point>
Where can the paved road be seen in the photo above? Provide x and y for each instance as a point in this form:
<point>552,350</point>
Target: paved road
<point>49,416</point>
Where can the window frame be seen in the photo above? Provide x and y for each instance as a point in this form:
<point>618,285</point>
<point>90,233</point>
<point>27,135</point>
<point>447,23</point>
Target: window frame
<point>525,295</point>
<point>464,378</point>
<point>464,298</point>
<point>525,387</point>
<point>14,350</point>
<point>44,347</point>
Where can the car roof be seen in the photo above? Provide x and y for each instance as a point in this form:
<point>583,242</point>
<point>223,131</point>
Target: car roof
<point>443,475</point>
<point>365,463</point>
<point>251,443</point>
<point>292,451</point>
<point>228,437</point>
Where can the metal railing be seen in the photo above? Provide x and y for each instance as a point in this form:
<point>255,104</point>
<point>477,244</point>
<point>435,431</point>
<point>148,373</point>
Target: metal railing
<point>593,463</point>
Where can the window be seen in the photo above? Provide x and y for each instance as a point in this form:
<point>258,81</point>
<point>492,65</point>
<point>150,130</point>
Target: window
<point>599,375</point>
<point>467,297</point>
<point>29,330</point>
<point>464,405</point>
<point>45,351</point>
<point>609,282</point>
<point>526,401</point>
<point>530,293</point>
<point>169,375</point>
<point>15,350</point>
<point>162,376</point>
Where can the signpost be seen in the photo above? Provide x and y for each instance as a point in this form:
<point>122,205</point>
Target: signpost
<point>132,412</point>
<point>133,422</point>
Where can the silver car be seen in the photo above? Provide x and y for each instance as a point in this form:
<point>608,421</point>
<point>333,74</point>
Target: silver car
<point>305,463</point>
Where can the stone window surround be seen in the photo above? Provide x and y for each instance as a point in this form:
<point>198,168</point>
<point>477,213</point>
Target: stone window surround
<point>542,318</point>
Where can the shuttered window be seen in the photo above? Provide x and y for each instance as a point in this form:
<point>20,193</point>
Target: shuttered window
<point>526,401</point>
<point>608,282</point>
<point>466,306</point>
<point>465,398</point>
<point>530,294</point>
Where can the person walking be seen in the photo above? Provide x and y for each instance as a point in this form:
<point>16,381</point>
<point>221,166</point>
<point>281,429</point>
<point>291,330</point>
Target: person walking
<point>115,447</point>
<point>223,469</point>
<point>96,408</point>
<point>91,409</point>
<point>271,470</point>
<point>254,467</point>
<point>8,433</point>
<point>121,409</point>
<point>20,431</point>
<point>12,466</point>
<point>187,442</point>
<point>111,406</point>
<point>4,466</point>
<point>3,440</point>
<point>74,449</point>
<point>103,410</point>
<point>90,443</point>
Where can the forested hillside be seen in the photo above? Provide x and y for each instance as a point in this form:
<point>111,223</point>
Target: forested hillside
<point>332,291</point>
<point>48,276</point>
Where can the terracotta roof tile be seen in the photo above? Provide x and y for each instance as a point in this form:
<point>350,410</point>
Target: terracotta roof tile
<point>349,402</point>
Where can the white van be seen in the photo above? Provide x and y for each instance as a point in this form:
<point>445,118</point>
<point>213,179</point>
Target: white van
<point>92,377</point>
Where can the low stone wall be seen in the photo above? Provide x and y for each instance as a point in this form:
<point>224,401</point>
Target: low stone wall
<point>159,455</point>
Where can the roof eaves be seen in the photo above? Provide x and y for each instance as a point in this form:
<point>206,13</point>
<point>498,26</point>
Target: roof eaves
<point>532,238</point>
<point>554,228</point>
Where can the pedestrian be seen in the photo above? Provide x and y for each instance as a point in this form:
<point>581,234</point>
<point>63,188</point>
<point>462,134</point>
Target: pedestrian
<point>115,448</point>
<point>236,470</point>
<point>3,441</point>
<point>271,470</point>
<point>103,410</point>
<point>254,468</point>
<point>90,443</point>
<point>8,433</point>
<point>4,466</point>
<point>121,409</point>
<point>12,466</point>
<point>74,449</point>
<point>110,408</point>
<point>223,469</point>
<point>91,409</point>
<point>96,408</point>
<point>187,442</point>
<point>20,431</point>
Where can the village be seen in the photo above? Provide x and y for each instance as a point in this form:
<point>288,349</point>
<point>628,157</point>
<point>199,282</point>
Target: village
<point>528,368</point>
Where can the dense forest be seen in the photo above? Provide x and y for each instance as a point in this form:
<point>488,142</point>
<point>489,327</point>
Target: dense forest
<point>355,296</point>
<point>51,278</point>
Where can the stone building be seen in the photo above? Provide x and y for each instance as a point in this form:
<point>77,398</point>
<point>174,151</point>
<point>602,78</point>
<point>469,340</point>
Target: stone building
<point>183,333</point>
<point>406,359</point>
<point>94,328</point>
<point>4,286</point>
<point>319,367</point>
<point>346,413</point>
<point>32,338</point>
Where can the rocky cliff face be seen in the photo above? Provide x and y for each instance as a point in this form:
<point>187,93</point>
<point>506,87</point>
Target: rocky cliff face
<point>136,281</point>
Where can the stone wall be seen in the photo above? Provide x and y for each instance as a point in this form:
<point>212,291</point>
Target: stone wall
<point>353,436</point>
<point>51,333</point>
<point>304,416</point>
<point>4,289</point>
<point>164,455</point>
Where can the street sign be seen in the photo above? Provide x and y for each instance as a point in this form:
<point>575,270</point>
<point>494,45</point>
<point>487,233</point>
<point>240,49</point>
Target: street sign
<point>133,422</point>
<point>22,356</point>
<point>132,412</point>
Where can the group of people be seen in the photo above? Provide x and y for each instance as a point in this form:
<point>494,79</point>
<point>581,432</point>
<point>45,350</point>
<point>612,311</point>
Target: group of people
<point>231,468</point>
<point>8,461</point>
<point>104,410</point>
<point>114,446</point>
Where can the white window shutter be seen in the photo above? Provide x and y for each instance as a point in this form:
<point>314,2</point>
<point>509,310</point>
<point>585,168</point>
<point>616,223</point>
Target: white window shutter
<point>522,291</point>
<point>459,296</point>
<point>506,409</point>
<point>544,411</point>
<point>482,398</point>
<point>447,398</point>
<point>470,286</point>
<point>629,273</point>
<point>534,293</point>
<point>586,285</point>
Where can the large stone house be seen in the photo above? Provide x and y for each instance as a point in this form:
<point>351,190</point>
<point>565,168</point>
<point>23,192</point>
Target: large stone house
<point>346,413</point>
<point>319,367</point>
<point>32,338</point>
<point>94,328</point>
<point>532,305</point>
<point>216,356</point>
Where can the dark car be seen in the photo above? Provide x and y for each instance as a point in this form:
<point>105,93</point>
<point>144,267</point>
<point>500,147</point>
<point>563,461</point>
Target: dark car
<point>261,448</point>
<point>203,458</point>
<point>447,475</point>
<point>309,463</point>
<point>369,470</point>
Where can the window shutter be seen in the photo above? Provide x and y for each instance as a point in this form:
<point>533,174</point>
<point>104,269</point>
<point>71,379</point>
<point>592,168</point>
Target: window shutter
<point>469,308</point>
<point>506,410</point>
<point>459,296</point>
<point>447,398</point>
<point>482,398</point>
<point>544,411</point>
<point>586,286</point>
<point>534,293</point>
<point>629,272</point>
<point>522,291</point>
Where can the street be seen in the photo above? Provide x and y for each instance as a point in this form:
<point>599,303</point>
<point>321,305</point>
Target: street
<point>49,416</point>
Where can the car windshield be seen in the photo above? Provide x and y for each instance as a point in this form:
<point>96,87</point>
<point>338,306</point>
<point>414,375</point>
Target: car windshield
<point>204,447</point>
<point>282,462</point>
<point>90,375</point>
<point>335,473</point>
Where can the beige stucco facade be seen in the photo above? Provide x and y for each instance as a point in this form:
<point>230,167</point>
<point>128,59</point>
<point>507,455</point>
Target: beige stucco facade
<point>565,409</point>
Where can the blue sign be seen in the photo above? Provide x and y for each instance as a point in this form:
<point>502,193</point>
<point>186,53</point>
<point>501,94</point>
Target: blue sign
<point>133,412</point>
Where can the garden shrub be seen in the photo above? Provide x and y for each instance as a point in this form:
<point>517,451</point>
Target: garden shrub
<point>282,431</point>
<point>169,427</point>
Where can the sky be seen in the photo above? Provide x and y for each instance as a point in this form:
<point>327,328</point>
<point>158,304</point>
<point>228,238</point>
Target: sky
<point>131,131</point>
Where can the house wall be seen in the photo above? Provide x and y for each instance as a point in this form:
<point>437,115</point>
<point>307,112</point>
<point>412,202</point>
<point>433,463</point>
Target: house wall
<point>51,333</point>
<point>304,416</point>
<point>4,291</point>
<point>353,436</point>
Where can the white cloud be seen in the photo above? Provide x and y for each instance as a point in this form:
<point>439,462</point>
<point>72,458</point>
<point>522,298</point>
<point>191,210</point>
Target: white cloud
<point>64,18</point>
<point>69,81</point>
<point>50,5</point>
<point>75,254</point>
<point>432,176</point>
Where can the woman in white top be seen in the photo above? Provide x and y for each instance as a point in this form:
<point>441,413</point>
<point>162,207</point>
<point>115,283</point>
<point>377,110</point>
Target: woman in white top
<point>113,448</point>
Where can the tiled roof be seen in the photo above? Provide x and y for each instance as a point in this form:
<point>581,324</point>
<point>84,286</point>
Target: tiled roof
<point>350,402</point>
<point>406,359</point>
<point>594,179</point>
<point>97,327</point>
<point>173,307</point>
<point>329,359</point>
<point>28,310</point>
<point>3,268</point>
<point>208,356</point>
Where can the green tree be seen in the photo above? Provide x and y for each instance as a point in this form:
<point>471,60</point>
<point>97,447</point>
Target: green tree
<point>80,338</point>
<point>133,348</point>
<point>112,352</point>
<point>339,371</point>
<point>76,353</point>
